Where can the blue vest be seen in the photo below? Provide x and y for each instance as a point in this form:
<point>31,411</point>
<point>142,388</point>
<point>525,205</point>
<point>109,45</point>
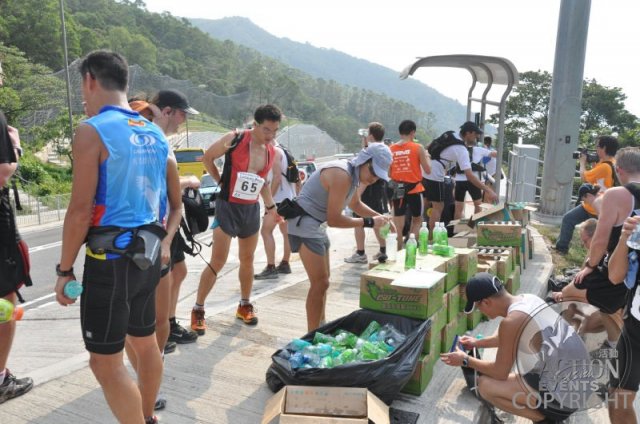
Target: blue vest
<point>132,184</point>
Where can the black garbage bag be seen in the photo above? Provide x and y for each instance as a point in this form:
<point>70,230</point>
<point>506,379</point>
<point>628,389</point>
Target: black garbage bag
<point>384,377</point>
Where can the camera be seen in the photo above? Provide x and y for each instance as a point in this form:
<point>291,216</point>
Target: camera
<point>592,156</point>
<point>363,132</point>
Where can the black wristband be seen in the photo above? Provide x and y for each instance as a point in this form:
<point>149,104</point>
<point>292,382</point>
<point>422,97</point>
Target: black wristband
<point>270,207</point>
<point>368,222</point>
<point>61,273</point>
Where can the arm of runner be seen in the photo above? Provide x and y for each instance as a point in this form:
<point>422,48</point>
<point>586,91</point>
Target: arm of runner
<point>471,177</point>
<point>267,198</point>
<point>174,194</point>
<point>619,262</point>
<point>425,160</point>
<point>189,181</point>
<point>276,172</point>
<point>88,152</point>
<point>216,150</point>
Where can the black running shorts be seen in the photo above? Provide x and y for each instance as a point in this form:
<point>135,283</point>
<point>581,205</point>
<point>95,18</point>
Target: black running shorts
<point>601,293</point>
<point>177,253</point>
<point>462,187</point>
<point>412,201</point>
<point>433,190</point>
<point>118,299</point>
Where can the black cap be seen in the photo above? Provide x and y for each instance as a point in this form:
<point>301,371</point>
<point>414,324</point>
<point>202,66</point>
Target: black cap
<point>176,100</point>
<point>470,126</point>
<point>481,286</point>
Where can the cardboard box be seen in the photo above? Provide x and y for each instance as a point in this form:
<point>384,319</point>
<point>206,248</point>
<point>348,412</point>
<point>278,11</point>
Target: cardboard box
<point>447,334</point>
<point>448,265</point>
<point>459,225</point>
<point>507,252</point>
<point>467,264</point>
<point>487,266</point>
<point>310,404</point>
<point>453,303</point>
<point>421,377</point>
<point>521,212</point>
<point>432,341</point>
<point>462,323</point>
<point>513,281</point>
<point>473,319</point>
<point>463,239</point>
<point>503,265</point>
<point>490,212</point>
<point>379,291</point>
<point>504,233</point>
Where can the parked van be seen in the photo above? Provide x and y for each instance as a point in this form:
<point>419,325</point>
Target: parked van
<point>190,161</point>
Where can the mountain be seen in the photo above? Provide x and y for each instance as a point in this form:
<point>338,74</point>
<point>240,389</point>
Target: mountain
<point>331,64</point>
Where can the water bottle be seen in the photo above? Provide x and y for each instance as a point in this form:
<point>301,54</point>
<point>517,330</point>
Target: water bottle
<point>392,250</point>
<point>384,230</point>
<point>444,234</point>
<point>373,327</point>
<point>349,355</point>
<point>296,360</point>
<point>298,344</point>
<point>8,311</point>
<point>73,289</point>
<point>346,338</point>
<point>410,254</point>
<point>423,239</point>
<point>479,337</point>
<point>633,242</point>
<point>323,338</point>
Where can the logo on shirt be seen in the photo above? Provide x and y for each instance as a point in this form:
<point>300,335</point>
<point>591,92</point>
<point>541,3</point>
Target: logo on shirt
<point>142,140</point>
<point>136,123</point>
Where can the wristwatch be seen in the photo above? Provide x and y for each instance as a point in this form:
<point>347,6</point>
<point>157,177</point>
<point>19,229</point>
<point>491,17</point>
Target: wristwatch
<point>61,273</point>
<point>465,361</point>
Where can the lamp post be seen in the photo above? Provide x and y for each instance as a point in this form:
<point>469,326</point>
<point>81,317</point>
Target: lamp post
<point>66,66</point>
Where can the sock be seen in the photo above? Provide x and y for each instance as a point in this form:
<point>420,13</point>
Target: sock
<point>383,249</point>
<point>198,307</point>
<point>271,266</point>
<point>613,343</point>
<point>360,252</point>
<point>244,302</point>
<point>2,375</point>
<point>283,262</point>
<point>173,322</point>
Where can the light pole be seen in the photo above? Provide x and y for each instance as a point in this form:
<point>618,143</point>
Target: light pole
<point>66,67</point>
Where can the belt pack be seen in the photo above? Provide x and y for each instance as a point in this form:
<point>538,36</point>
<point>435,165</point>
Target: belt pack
<point>143,249</point>
<point>289,209</point>
<point>400,188</point>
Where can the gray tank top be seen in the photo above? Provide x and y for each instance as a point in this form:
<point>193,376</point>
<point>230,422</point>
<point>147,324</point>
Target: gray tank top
<point>561,361</point>
<point>314,198</point>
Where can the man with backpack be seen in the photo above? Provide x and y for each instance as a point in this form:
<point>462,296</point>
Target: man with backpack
<point>463,185</point>
<point>249,157</point>
<point>285,184</point>
<point>13,274</point>
<point>446,152</point>
<point>603,175</point>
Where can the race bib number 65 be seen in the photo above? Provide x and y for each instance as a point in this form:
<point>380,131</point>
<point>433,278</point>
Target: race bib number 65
<point>247,186</point>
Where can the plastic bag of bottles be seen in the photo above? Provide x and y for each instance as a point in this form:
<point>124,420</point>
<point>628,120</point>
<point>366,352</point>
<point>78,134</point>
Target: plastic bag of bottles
<point>383,377</point>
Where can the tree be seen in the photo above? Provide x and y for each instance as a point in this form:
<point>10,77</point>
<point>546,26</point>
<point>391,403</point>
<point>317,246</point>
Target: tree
<point>603,111</point>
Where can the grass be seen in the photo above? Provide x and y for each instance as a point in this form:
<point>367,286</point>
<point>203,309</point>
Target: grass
<point>577,251</point>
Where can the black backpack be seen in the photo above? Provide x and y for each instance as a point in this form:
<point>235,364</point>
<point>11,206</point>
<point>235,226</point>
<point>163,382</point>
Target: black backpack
<point>445,140</point>
<point>292,174</point>
<point>194,221</point>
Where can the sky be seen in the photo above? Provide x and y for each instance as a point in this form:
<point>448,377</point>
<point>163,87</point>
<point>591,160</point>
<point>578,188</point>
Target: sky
<point>395,34</point>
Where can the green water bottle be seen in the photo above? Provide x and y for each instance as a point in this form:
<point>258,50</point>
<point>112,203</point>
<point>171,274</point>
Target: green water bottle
<point>9,312</point>
<point>323,338</point>
<point>384,230</point>
<point>346,338</point>
<point>423,239</point>
<point>373,327</point>
<point>410,252</point>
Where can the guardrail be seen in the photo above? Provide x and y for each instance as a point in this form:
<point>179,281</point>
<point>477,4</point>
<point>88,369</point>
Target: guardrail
<point>40,210</point>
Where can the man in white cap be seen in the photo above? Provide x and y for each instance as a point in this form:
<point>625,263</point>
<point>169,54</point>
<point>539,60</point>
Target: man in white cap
<point>321,201</point>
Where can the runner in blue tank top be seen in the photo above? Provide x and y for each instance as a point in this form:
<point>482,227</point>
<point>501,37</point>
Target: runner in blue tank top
<point>120,179</point>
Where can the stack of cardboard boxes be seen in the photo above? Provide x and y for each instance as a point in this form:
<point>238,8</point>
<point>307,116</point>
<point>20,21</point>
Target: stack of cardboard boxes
<point>437,298</point>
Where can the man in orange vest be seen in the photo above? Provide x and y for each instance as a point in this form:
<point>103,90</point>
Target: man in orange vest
<point>409,160</point>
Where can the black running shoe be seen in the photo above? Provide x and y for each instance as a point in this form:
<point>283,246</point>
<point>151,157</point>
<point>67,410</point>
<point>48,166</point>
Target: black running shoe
<point>13,387</point>
<point>268,273</point>
<point>181,335</point>
<point>169,347</point>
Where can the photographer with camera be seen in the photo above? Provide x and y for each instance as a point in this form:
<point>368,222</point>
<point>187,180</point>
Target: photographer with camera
<point>601,174</point>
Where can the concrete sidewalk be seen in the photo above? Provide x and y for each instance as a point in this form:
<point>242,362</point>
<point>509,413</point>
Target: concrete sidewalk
<point>221,377</point>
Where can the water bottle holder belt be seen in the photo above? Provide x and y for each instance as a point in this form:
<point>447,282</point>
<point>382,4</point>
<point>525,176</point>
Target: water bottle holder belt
<point>142,250</point>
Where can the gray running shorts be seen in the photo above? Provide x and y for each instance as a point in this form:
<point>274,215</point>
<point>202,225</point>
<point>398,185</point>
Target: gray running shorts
<point>237,220</point>
<point>319,246</point>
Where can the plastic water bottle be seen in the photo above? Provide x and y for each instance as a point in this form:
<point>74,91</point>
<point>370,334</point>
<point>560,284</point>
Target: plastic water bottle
<point>372,328</point>
<point>479,337</point>
<point>423,239</point>
<point>346,338</point>
<point>296,360</point>
<point>73,289</point>
<point>384,230</point>
<point>444,235</point>
<point>323,338</point>
<point>391,243</point>
<point>410,254</point>
<point>9,311</point>
<point>298,344</point>
<point>634,239</point>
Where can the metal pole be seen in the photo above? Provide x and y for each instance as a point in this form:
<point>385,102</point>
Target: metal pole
<point>564,108</point>
<point>66,67</point>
